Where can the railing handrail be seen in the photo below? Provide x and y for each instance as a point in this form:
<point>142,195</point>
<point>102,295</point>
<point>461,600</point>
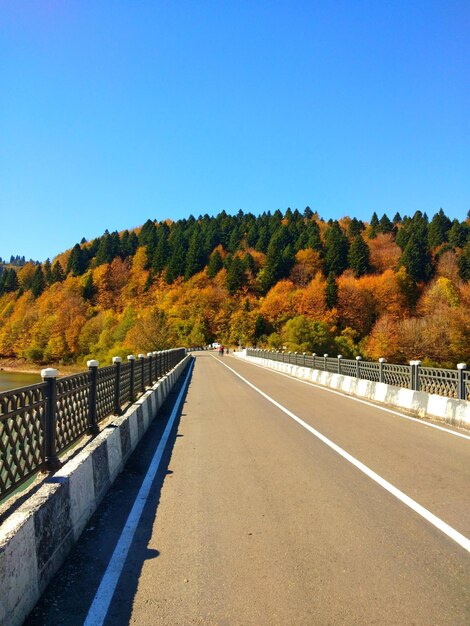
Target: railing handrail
<point>40,421</point>
<point>446,382</point>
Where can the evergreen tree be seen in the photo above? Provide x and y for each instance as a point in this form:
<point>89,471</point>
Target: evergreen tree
<point>313,237</point>
<point>162,251</point>
<point>331,291</point>
<point>385,225</point>
<point>48,272</point>
<point>464,262</point>
<point>374,225</point>
<point>195,258</point>
<point>416,258</point>
<point>458,234</point>
<point>260,327</point>
<point>263,239</point>
<point>106,249</point>
<point>236,277</point>
<point>438,229</point>
<point>215,264</point>
<point>57,273</point>
<point>359,257</point>
<point>148,237</point>
<point>336,255</point>
<point>76,263</point>
<point>397,218</point>
<point>279,259</point>
<point>38,283</point>
<point>88,288</point>
<point>177,260</point>
<point>355,227</point>
<point>249,263</point>
<point>234,240</point>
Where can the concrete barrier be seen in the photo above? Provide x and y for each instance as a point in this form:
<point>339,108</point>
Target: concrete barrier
<point>35,540</point>
<point>419,403</point>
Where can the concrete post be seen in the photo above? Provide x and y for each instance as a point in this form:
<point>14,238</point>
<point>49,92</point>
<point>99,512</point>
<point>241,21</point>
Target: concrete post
<point>340,356</point>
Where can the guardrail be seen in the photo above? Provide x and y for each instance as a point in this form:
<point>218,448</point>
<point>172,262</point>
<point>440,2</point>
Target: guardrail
<point>443,382</point>
<point>40,421</point>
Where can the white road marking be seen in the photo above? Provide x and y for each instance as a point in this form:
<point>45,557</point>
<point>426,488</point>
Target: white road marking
<point>460,539</point>
<point>417,420</point>
<point>100,605</point>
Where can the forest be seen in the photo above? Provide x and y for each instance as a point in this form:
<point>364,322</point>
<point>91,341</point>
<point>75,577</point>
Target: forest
<point>393,288</point>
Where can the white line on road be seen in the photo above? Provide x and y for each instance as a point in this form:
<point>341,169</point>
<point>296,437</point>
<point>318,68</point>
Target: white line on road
<point>100,605</point>
<point>417,420</point>
<point>462,541</point>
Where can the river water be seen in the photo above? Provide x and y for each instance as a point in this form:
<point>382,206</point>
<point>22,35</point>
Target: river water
<point>13,380</point>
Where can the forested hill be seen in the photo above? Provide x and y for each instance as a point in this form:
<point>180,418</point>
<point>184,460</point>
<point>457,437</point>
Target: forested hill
<point>394,288</point>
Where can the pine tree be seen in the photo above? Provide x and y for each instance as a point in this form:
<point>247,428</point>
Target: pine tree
<point>397,218</point>
<point>215,264</point>
<point>236,277</point>
<point>385,225</point>
<point>331,291</point>
<point>88,288</point>
<point>57,273</point>
<point>416,258</point>
<point>464,262</point>
<point>195,257</point>
<point>458,234</point>
<point>76,263</point>
<point>355,227</point>
<point>177,260</point>
<point>359,257</point>
<point>38,283</point>
<point>48,272</point>
<point>374,225</point>
<point>162,251</point>
<point>336,255</point>
<point>148,237</point>
<point>438,229</point>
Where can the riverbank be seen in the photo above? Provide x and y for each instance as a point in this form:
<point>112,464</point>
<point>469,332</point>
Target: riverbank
<point>22,366</point>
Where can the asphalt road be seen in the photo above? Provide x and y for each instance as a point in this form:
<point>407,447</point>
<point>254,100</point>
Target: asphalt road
<point>257,517</point>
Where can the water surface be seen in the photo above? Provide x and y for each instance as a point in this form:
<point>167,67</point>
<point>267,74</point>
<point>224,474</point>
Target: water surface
<point>13,380</point>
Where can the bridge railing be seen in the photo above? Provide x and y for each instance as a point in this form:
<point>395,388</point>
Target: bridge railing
<point>39,422</point>
<point>444,382</point>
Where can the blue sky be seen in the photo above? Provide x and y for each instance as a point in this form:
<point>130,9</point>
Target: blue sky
<point>114,112</point>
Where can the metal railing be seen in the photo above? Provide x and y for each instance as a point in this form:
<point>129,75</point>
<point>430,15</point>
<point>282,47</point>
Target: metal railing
<point>443,382</point>
<point>39,422</point>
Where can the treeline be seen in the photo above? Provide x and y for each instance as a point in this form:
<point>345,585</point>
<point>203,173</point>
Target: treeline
<point>382,288</point>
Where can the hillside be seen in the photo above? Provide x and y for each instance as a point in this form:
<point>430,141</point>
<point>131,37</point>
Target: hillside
<point>394,288</point>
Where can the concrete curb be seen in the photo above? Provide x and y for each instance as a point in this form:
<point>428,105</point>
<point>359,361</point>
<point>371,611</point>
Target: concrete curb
<point>424,405</point>
<point>35,540</point>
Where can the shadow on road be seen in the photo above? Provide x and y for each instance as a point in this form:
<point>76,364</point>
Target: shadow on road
<point>68,597</point>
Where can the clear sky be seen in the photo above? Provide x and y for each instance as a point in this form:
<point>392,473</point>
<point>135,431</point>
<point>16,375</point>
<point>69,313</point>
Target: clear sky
<point>113,112</point>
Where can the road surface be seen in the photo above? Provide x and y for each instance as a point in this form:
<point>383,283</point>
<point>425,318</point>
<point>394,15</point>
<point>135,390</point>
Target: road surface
<point>277,502</point>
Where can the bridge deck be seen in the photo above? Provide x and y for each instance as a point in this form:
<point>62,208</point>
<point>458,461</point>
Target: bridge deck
<point>254,519</point>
